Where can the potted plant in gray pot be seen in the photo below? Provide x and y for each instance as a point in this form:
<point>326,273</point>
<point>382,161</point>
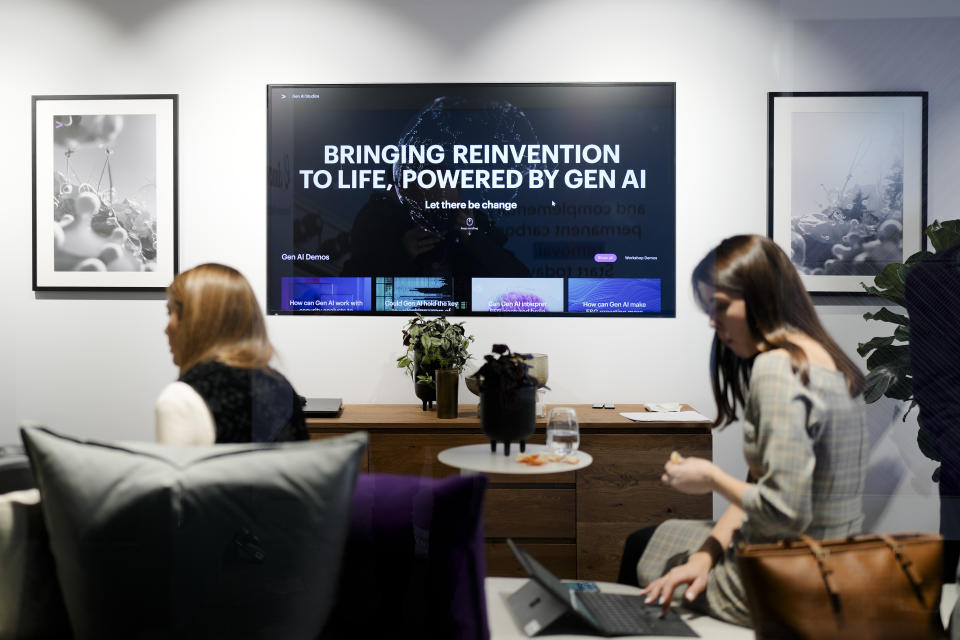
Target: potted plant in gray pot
<point>507,398</point>
<point>431,345</point>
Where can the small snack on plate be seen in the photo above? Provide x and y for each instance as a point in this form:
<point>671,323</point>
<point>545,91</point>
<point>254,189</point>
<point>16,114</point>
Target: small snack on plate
<point>675,457</point>
<point>537,459</point>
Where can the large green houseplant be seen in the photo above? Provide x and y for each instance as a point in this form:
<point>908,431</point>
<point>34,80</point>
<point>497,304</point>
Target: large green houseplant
<point>430,345</point>
<point>888,357</point>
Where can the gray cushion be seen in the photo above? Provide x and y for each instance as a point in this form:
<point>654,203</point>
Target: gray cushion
<point>14,470</point>
<point>233,541</point>
<point>30,602</point>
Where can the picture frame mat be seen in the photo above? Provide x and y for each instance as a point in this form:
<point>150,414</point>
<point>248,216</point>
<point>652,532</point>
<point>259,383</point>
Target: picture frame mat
<point>164,109</point>
<point>911,106</point>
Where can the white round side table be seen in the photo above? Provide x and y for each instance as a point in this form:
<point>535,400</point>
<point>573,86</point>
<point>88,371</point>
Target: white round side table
<point>480,459</point>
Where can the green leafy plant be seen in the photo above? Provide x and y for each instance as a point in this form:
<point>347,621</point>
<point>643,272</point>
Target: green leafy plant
<point>888,357</point>
<point>433,344</point>
<point>505,373</point>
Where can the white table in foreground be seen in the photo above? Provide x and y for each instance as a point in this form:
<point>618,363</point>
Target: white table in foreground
<point>502,626</point>
<point>479,458</point>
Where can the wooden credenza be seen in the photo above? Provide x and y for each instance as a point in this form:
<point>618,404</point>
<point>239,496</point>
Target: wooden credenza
<point>575,522</point>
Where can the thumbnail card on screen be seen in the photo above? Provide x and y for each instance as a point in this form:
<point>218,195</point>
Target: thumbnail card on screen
<point>517,295</point>
<point>434,293</point>
<point>325,294</point>
<point>613,295</point>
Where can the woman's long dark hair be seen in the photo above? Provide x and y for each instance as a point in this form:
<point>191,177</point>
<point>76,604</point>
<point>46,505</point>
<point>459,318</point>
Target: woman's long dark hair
<point>757,270</point>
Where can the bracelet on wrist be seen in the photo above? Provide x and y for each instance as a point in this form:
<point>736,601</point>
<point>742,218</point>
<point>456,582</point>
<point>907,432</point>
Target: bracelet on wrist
<point>713,548</point>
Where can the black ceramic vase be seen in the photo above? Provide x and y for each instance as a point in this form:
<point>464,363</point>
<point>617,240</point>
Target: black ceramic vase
<point>509,419</point>
<point>426,392</point>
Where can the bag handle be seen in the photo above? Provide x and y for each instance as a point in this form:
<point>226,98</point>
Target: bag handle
<point>906,564</point>
<point>822,555</point>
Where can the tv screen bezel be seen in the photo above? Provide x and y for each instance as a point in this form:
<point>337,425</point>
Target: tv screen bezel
<point>668,298</point>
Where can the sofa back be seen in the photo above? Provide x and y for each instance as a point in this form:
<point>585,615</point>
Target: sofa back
<point>413,564</point>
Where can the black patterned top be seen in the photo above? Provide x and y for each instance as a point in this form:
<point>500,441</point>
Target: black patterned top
<point>248,405</point>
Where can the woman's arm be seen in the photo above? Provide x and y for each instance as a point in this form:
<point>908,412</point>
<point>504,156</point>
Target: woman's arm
<point>779,503</point>
<point>729,522</point>
<point>696,475</point>
<point>696,570</point>
<point>777,430</point>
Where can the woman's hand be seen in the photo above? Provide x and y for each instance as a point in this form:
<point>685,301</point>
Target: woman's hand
<point>690,475</point>
<point>693,573</point>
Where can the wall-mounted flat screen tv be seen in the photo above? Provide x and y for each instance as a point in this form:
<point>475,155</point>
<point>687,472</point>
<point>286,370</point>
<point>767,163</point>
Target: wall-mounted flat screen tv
<point>472,199</point>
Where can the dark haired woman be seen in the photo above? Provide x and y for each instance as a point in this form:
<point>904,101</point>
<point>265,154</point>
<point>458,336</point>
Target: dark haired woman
<point>804,433</point>
<point>227,391</point>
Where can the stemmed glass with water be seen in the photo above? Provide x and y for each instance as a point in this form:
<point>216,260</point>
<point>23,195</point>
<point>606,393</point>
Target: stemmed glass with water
<point>563,431</point>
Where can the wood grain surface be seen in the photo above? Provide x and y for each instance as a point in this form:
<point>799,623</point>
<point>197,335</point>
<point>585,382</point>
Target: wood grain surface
<point>560,559</point>
<point>393,417</point>
<point>540,512</point>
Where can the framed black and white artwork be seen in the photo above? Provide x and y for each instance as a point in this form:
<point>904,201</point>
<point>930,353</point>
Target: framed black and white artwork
<point>847,183</point>
<point>104,192</point>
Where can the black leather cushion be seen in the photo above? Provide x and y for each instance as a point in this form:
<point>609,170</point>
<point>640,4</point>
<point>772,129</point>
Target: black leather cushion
<point>221,541</point>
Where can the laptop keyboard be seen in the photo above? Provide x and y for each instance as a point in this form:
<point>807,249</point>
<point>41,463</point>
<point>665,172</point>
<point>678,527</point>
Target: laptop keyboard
<point>619,614</point>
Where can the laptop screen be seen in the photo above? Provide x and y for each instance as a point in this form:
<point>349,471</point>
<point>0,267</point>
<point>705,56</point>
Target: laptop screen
<point>549,581</point>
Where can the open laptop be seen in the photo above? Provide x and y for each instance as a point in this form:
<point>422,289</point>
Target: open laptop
<point>322,407</point>
<point>546,604</point>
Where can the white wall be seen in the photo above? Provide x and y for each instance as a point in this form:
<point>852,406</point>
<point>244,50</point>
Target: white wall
<point>92,364</point>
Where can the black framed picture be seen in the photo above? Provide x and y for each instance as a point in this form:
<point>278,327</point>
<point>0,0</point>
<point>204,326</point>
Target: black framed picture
<point>847,183</point>
<point>104,192</point>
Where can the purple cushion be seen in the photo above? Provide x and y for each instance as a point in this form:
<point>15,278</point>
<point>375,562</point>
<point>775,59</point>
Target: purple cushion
<point>414,562</point>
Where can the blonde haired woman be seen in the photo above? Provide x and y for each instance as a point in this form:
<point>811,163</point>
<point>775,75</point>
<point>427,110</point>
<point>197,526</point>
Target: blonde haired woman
<point>226,392</point>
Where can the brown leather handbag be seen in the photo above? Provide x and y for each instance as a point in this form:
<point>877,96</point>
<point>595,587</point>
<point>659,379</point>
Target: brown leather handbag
<point>872,586</point>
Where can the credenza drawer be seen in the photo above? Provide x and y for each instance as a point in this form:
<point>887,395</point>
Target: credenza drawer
<point>560,559</point>
<point>540,512</point>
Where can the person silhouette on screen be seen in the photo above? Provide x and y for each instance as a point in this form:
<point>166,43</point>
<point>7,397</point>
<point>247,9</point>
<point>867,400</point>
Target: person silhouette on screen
<point>412,229</point>
<point>386,240</point>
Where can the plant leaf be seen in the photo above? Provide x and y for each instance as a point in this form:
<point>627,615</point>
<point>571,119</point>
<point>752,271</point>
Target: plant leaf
<point>917,258</point>
<point>885,315</point>
<point>891,295</point>
<point>873,343</point>
<point>902,389</point>
<point>902,334</point>
<point>878,381</point>
<point>943,235</point>
<point>895,357</point>
<point>889,277</point>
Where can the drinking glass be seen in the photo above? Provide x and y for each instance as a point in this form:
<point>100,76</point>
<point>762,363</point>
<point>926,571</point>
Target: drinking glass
<point>563,431</point>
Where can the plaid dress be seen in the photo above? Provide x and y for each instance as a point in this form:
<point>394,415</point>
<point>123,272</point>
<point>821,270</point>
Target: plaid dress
<point>807,448</point>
